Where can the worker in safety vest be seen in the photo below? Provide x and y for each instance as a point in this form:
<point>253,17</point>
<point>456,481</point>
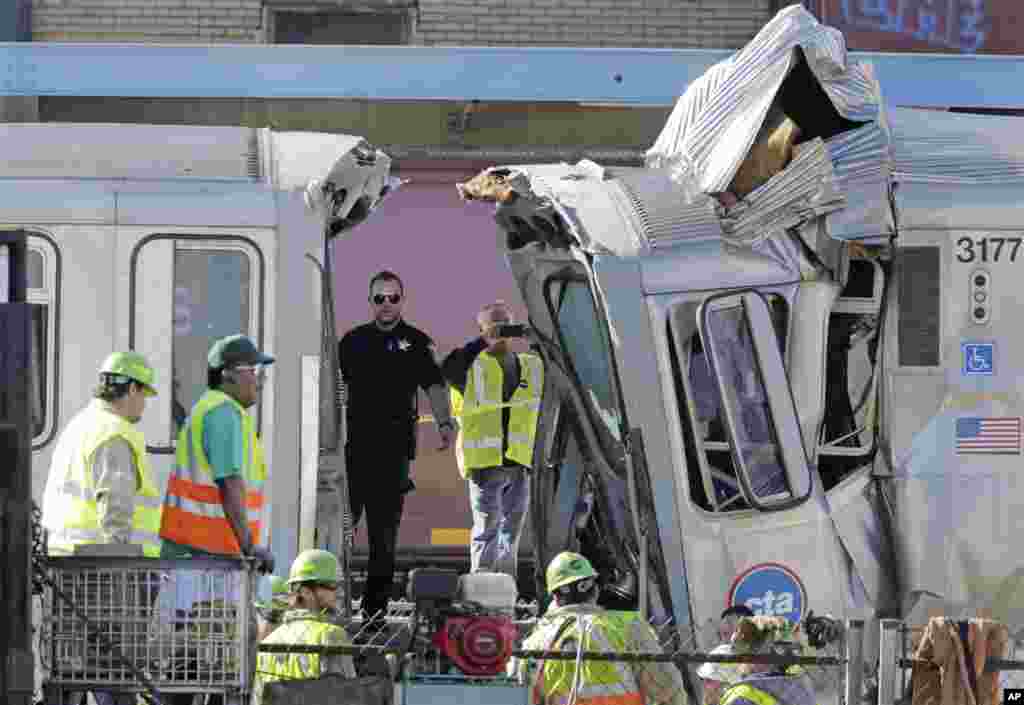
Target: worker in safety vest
<point>762,683</point>
<point>313,581</point>
<point>271,611</point>
<point>100,488</point>
<point>214,498</point>
<point>717,676</point>
<point>495,394</point>
<point>575,622</point>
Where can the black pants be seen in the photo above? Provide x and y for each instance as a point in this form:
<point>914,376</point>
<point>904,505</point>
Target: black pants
<point>375,487</point>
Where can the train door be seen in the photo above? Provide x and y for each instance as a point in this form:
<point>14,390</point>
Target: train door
<point>178,290</point>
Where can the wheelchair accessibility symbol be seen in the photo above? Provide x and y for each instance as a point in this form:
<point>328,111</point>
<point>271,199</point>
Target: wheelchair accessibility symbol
<point>978,359</point>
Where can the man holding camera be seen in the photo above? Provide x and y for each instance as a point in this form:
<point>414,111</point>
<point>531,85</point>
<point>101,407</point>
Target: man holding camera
<point>495,394</point>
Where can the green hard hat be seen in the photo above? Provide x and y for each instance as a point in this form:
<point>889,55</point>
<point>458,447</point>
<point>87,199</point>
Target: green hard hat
<point>278,585</point>
<point>568,567</point>
<point>314,566</point>
<point>134,367</point>
<point>236,350</point>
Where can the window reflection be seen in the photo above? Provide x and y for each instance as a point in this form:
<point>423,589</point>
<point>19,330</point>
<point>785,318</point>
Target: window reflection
<point>583,340</point>
<point>212,299</point>
<point>713,482</point>
<point>40,354</point>
<point>747,398</point>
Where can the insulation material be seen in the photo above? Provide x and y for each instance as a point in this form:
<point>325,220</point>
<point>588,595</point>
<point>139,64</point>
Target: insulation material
<point>771,153</point>
<point>799,193</point>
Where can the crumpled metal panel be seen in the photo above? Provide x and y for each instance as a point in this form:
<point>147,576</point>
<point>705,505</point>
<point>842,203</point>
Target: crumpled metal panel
<point>804,190</point>
<point>664,220</point>
<point>933,146</point>
<point>862,172</point>
<point>715,122</point>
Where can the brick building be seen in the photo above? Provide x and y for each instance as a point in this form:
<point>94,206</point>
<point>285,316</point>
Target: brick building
<point>604,23</point>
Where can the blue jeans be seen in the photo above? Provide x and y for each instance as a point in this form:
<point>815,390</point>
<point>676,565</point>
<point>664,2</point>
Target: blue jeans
<point>499,498</point>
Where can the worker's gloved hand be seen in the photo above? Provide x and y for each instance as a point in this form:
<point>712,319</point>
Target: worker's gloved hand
<point>264,559</point>
<point>821,631</point>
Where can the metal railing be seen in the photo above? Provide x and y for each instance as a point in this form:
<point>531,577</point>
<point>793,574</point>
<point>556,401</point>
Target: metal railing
<point>836,670</point>
<point>147,625</point>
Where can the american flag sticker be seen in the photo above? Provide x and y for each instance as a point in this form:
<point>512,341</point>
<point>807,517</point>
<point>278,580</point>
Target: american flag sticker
<point>988,434</point>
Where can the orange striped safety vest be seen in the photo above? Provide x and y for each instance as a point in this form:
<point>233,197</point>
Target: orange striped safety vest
<point>192,512</point>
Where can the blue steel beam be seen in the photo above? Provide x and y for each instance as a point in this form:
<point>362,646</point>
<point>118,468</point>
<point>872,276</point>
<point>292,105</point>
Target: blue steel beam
<point>654,77</point>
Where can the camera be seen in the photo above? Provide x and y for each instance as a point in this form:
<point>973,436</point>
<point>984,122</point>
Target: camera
<point>511,330</point>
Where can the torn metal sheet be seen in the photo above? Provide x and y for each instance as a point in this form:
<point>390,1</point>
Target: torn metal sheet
<point>716,120</point>
<point>804,190</point>
<point>785,131</point>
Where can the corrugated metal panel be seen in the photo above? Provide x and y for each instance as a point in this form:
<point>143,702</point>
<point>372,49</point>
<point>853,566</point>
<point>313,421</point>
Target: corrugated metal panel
<point>931,146</point>
<point>57,150</point>
<point>716,121</point>
<point>665,217</point>
<point>862,169</point>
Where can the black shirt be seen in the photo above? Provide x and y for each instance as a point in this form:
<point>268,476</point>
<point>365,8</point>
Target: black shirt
<point>381,370</point>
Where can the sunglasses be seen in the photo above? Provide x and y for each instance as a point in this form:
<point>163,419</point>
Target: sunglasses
<point>390,298</point>
<point>260,371</point>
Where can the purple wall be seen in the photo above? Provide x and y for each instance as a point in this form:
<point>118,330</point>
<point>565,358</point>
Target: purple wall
<point>446,252</point>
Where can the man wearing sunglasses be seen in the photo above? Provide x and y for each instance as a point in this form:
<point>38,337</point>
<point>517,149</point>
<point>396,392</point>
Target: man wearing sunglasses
<point>383,363</point>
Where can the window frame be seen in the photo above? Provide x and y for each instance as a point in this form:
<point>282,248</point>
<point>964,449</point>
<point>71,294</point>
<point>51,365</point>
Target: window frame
<point>617,465</point>
<point>204,242</point>
<point>778,396</point>
<point>49,296</point>
<point>679,313</point>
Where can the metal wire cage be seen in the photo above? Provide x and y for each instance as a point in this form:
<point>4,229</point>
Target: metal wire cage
<point>138,624</point>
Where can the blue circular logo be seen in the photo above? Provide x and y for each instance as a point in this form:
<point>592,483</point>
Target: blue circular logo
<point>771,590</point>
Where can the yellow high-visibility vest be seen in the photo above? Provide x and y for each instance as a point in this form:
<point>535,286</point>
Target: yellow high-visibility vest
<point>299,627</point>
<point>599,682</point>
<point>70,511</point>
<point>479,410</point>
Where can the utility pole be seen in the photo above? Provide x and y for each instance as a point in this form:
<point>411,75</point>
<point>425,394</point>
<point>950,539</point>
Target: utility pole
<point>17,670</point>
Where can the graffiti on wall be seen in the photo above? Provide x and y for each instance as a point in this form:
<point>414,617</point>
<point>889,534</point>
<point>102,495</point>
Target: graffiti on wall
<point>946,26</point>
<point>953,24</point>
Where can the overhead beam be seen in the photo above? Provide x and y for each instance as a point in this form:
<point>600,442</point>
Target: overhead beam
<point>651,77</point>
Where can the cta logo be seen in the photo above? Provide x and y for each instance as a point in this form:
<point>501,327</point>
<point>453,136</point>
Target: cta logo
<point>770,590</point>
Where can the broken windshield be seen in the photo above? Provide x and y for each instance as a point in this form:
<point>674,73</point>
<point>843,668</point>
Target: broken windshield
<point>583,339</point>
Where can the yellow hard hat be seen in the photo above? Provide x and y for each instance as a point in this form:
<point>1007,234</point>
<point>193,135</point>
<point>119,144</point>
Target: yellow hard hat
<point>132,366</point>
<point>568,567</point>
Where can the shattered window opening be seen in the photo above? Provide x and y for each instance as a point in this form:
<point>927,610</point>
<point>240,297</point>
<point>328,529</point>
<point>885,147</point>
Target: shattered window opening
<point>716,487</point>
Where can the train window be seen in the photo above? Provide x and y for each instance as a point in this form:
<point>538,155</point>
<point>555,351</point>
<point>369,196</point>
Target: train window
<point>714,484</point>
<point>213,297</point>
<point>583,338</point>
<point>42,275</point>
<point>188,291</point>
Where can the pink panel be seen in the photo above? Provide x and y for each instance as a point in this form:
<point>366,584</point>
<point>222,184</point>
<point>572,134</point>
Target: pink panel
<point>447,254</point>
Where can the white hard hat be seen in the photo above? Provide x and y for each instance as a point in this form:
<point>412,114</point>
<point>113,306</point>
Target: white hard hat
<point>722,672</point>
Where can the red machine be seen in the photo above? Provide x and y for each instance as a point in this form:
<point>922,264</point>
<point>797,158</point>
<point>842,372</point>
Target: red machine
<point>463,623</point>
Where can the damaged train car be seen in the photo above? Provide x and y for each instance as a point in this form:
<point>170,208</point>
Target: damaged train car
<point>785,364</point>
